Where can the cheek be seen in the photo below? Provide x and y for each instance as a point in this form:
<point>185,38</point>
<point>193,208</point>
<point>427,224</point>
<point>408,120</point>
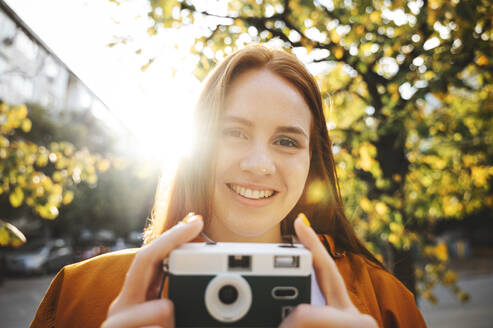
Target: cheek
<point>296,172</point>
<point>224,160</point>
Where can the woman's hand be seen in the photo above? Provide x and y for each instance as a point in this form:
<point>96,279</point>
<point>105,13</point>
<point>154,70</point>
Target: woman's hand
<point>339,311</point>
<point>137,304</point>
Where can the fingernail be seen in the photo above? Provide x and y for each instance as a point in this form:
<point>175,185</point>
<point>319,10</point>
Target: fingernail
<point>304,219</point>
<point>191,217</point>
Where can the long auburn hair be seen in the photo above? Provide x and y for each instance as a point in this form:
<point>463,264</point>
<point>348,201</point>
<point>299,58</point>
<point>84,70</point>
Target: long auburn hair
<point>192,188</point>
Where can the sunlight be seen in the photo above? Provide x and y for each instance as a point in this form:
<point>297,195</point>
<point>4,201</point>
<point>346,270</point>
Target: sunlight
<point>155,105</point>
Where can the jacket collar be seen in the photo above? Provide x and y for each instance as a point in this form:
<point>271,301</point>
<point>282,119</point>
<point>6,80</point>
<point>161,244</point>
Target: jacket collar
<point>329,243</point>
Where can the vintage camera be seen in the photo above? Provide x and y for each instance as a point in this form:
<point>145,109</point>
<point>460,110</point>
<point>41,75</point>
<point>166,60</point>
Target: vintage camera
<point>237,284</point>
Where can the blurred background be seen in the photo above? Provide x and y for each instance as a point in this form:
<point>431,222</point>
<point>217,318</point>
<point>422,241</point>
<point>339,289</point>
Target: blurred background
<point>96,99</point>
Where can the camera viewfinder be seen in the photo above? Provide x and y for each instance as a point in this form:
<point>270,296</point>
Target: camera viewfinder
<point>286,261</point>
<point>239,262</point>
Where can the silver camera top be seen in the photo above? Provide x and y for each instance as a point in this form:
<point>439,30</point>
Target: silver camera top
<point>241,258</point>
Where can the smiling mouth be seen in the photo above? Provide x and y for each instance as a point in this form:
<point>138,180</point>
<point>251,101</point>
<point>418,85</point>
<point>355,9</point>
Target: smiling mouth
<point>251,193</point>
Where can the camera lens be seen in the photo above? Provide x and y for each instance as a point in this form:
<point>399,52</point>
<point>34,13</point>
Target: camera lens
<point>228,294</point>
<point>228,297</point>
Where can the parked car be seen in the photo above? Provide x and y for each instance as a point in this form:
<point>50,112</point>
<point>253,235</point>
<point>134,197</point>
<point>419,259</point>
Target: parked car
<point>88,251</point>
<point>40,257</point>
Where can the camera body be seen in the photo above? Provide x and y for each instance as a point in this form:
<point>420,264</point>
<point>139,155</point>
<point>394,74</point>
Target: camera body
<point>237,284</point>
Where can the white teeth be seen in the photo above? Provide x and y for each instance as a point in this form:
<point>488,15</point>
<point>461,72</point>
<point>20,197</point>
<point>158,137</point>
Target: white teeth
<point>253,194</point>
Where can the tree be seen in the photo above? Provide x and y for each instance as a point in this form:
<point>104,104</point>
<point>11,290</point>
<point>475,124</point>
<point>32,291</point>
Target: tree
<point>409,91</point>
<point>103,204</point>
<point>40,177</point>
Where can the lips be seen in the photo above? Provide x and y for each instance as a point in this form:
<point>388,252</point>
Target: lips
<point>251,192</point>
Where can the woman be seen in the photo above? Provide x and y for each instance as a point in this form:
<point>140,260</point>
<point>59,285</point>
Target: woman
<point>262,155</point>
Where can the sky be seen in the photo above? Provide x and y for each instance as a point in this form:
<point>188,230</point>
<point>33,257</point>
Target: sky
<point>156,105</point>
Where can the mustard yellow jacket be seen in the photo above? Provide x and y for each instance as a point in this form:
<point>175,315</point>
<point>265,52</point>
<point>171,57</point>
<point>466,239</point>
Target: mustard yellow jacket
<point>80,294</point>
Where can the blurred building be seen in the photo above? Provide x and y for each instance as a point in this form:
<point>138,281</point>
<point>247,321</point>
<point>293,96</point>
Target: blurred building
<point>30,72</point>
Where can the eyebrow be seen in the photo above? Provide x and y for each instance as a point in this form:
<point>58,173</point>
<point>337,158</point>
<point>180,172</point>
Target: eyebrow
<point>284,129</point>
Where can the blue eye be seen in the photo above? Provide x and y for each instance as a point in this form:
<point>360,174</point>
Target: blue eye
<point>287,142</point>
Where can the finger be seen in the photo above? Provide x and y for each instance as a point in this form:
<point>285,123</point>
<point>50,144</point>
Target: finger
<point>153,313</point>
<point>328,277</point>
<point>148,260</point>
<point>305,315</point>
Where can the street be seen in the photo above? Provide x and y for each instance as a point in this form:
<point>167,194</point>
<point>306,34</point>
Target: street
<point>19,298</point>
<point>450,312</point>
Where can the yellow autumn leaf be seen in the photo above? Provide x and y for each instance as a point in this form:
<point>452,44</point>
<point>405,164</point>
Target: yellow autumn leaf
<point>482,60</point>
<point>430,297</point>
<point>39,191</point>
<point>480,175</point>
<point>144,67</point>
<point>365,204</point>
<point>463,296</point>
<point>397,228</point>
<point>397,177</point>
<point>360,29</point>
<point>26,125</point>
<point>47,211</point>
<point>151,31</point>
<point>449,277</point>
<point>16,197</point>
<point>441,252</point>
<point>375,17</point>
<point>393,239</point>
<point>381,208</point>
<point>334,36</point>
<point>365,161</point>
<point>103,165</point>
<point>92,179</point>
<point>57,176</point>
<point>68,197</point>
<point>20,112</point>
<point>4,142</point>
<point>10,235</point>
<point>392,87</point>
<point>21,180</point>
<point>68,150</point>
<point>338,52</point>
<point>57,189</point>
<point>42,160</point>
<point>375,225</point>
<point>30,201</point>
<point>4,237</point>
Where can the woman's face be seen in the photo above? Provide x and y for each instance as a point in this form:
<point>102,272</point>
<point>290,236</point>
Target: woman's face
<point>263,158</point>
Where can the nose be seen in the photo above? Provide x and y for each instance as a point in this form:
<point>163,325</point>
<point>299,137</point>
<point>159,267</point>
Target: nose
<point>258,161</point>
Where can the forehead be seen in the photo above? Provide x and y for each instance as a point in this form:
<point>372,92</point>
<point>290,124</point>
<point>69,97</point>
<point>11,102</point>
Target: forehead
<point>264,97</point>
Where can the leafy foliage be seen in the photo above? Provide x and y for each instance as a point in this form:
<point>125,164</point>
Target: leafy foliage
<point>10,235</point>
<point>410,88</point>
<point>40,177</point>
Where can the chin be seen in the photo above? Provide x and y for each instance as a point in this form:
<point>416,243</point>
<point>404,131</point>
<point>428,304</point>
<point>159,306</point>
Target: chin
<point>249,233</point>
<point>249,230</point>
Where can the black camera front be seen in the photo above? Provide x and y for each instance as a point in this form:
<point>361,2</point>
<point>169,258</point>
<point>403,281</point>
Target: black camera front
<point>237,284</point>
